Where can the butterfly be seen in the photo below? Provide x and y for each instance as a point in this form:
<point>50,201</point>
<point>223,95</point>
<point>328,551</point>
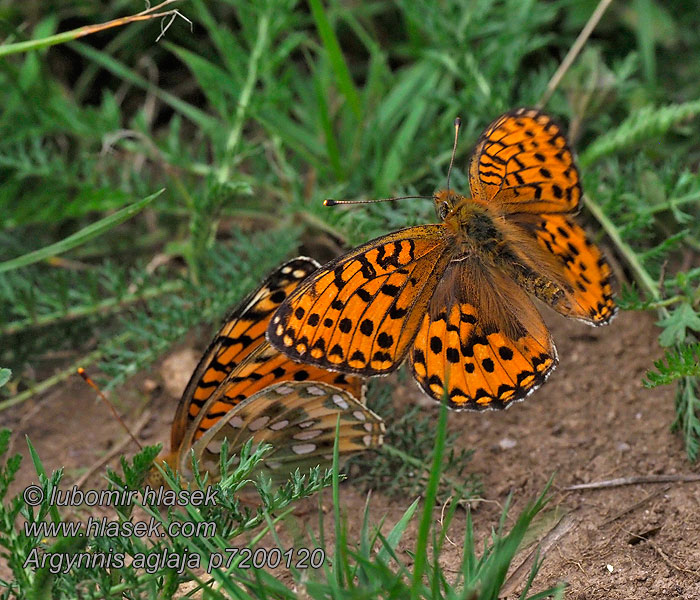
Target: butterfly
<point>453,297</point>
<point>243,388</point>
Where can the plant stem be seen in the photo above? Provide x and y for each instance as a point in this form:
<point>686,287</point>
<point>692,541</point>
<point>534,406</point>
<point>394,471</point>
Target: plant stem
<point>105,306</point>
<point>574,51</point>
<point>672,203</point>
<point>74,34</point>
<point>69,371</point>
<point>234,137</point>
<point>669,301</point>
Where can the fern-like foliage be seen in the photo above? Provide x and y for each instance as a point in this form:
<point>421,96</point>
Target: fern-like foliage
<point>646,123</point>
<point>678,363</point>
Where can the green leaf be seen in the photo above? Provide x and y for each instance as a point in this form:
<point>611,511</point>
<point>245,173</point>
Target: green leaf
<point>214,82</point>
<point>41,472</point>
<point>681,318</point>
<point>648,122</point>
<point>397,531</point>
<point>681,361</point>
<point>79,237</point>
<point>43,581</point>
<point>5,375</point>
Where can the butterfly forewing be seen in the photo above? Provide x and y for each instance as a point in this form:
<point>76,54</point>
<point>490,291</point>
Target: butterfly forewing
<point>242,332</point>
<point>523,163</point>
<point>359,313</point>
<point>299,420</point>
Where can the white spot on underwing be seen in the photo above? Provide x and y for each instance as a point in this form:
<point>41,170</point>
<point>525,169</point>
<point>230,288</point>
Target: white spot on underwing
<point>359,415</point>
<point>303,448</point>
<point>308,434</point>
<point>259,423</point>
<point>214,446</point>
<point>338,400</point>
<point>236,422</point>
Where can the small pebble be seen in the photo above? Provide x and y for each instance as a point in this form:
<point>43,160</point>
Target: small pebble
<point>507,444</point>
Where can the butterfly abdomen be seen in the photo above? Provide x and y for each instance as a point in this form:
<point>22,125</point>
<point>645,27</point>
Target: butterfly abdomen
<point>537,284</point>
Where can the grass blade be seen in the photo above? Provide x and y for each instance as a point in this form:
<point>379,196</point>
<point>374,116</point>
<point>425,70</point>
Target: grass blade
<point>340,67</point>
<point>79,237</point>
<point>197,116</point>
<point>431,491</point>
<point>397,531</point>
<point>74,34</point>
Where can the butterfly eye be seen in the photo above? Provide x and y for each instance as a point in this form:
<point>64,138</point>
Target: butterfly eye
<point>442,210</point>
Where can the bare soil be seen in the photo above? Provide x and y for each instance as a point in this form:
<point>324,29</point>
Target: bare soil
<point>591,421</point>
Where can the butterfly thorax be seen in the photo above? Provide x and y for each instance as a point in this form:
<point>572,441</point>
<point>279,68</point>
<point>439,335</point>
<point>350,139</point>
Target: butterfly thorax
<point>484,236</point>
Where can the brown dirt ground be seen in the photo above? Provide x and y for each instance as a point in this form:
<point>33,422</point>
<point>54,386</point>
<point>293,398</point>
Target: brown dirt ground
<point>592,421</point>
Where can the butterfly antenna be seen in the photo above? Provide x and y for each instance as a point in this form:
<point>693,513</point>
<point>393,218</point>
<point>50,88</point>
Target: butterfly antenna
<point>104,398</point>
<point>458,124</point>
<point>331,202</point>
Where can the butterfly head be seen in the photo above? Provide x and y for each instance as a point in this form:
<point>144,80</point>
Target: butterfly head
<point>445,202</point>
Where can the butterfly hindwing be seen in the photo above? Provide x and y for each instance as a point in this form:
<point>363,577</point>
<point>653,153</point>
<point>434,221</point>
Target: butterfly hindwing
<point>359,313</point>
<point>299,420</point>
<point>485,346</point>
<point>523,163</point>
<point>242,332</point>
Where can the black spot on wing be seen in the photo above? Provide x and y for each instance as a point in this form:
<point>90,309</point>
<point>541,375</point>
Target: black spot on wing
<point>278,296</point>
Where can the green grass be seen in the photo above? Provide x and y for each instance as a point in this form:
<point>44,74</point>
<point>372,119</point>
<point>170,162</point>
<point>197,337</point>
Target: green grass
<point>370,567</point>
<point>262,110</point>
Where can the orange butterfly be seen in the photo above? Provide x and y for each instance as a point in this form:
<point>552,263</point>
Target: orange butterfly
<point>243,388</point>
<point>453,296</point>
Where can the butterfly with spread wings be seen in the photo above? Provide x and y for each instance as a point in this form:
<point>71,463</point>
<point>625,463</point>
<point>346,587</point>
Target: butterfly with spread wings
<point>453,297</point>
